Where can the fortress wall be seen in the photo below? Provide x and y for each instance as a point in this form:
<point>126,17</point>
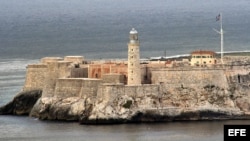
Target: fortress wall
<point>63,69</point>
<point>237,65</point>
<point>241,74</point>
<point>35,76</point>
<point>145,74</point>
<point>113,78</point>
<point>142,90</point>
<point>68,87</point>
<point>241,70</point>
<point>109,92</point>
<point>79,73</point>
<point>105,69</point>
<point>76,87</point>
<point>190,78</point>
<point>55,70</point>
<point>89,87</point>
<point>94,71</point>
<point>119,68</point>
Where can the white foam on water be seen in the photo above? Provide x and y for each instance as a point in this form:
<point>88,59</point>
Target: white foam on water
<point>14,65</point>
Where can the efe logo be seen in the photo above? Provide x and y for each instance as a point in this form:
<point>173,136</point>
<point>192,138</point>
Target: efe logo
<point>236,132</point>
<point>241,132</point>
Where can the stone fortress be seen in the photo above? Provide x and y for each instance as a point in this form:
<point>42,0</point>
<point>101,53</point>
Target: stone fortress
<point>76,77</point>
<point>98,90</point>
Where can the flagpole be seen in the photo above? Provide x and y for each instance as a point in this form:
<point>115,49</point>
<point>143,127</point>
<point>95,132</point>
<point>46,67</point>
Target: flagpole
<point>219,18</point>
<point>222,41</point>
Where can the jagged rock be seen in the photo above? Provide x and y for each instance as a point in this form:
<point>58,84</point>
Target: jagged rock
<point>177,104</point>
<point>59,109</point>
<point>243,104</point>
<point>22,103</point>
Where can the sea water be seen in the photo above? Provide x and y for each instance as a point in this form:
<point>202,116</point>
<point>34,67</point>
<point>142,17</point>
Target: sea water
<point>98,29</point>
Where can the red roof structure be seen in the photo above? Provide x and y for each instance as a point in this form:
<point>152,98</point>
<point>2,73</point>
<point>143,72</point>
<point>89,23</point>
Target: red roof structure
<point>203,52</point>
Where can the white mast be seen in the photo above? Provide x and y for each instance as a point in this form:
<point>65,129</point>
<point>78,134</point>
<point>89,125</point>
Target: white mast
<point>221,38</point>
<point>219,18</point>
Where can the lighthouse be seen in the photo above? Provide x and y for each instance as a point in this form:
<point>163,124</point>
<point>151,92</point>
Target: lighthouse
<point>134,69</point>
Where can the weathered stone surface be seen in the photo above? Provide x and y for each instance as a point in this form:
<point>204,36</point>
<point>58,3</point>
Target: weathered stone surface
<point>210,103</point>
<point>58,109</point>
<point>243,104</point>
<point>22,103</point>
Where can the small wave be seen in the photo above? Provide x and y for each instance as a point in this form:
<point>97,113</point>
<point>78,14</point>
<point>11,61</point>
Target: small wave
<point>185,55</point>
<point>13,65</point>
<point>11,83</point>
<point>11,77</point>
<point>170,57</point>
<point>244,51</point>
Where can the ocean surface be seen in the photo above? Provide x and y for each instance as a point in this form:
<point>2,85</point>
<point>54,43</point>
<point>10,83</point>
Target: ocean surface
<point>98,29</point>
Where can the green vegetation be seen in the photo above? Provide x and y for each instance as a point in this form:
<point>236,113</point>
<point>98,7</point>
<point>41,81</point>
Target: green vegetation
<point>127,104</point>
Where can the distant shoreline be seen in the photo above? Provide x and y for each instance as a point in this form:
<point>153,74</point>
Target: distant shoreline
<point>243,53</point>
<point>187,56</point>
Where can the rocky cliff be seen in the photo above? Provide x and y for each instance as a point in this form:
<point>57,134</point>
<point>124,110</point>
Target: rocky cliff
<point>22,103</point>
<point>209,103</point>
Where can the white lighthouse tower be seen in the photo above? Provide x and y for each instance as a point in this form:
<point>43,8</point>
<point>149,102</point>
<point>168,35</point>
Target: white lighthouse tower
<point>134,69</point>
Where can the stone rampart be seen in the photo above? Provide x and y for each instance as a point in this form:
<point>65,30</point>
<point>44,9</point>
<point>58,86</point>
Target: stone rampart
<point>89,87</point>
<point>68,87</point>
<point>113,78</point>
<point>196,77</point>
<point>55,70</point>
<point>76,87</point>
<point>109,92</point>
<point>240,75</point>
<point>79,73</point>
<point>35,76</point>
<point>142,90</point>
<point>238,70</point>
